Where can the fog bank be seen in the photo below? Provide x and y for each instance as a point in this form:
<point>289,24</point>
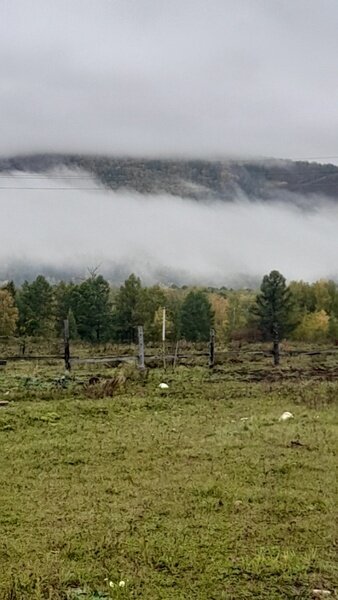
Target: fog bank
<point>161,238</point>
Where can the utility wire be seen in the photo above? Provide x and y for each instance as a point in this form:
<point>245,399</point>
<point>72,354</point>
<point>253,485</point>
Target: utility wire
<point>45,176</point>
<point>94,189</point>
<point>313,157</point>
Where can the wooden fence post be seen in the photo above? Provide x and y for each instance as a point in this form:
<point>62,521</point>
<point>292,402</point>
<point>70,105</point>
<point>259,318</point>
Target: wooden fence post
<point>140,347</point>
<point>175,355</point>
<point>212,349</point>
<point>275,346</point>
<point>66,345</point>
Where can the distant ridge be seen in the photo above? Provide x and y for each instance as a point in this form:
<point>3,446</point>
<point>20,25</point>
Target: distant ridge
<point>196,179</point>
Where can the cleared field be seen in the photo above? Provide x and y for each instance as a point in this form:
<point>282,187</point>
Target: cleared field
<point>197,492</point>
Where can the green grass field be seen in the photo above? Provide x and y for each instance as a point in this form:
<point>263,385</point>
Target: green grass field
<point>198,492</point>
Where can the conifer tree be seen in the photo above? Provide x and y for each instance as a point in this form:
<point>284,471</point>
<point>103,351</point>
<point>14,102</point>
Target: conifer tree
<point>274,306</point>
<point>196,317</point>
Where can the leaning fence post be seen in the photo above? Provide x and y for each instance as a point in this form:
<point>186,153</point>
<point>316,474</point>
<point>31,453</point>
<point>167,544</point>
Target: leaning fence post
<point>140,347</point>
<point>212,349</point>
<point>275,346</point>
<point>66,345</point>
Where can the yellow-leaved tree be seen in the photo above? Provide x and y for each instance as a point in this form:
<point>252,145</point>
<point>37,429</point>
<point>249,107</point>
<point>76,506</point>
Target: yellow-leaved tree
<point>220,306</point>
<point>314,327</point>
<point>8,313</point>
<point>324,294</point>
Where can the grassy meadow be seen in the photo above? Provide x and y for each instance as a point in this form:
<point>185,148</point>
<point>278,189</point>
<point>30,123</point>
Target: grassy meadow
<point>195,492</point>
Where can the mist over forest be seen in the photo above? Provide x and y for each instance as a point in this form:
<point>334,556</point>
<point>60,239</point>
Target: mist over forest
<point>179,222</point>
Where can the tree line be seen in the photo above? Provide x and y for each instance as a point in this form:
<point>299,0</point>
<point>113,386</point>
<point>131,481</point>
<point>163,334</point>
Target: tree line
<point>98,312</point>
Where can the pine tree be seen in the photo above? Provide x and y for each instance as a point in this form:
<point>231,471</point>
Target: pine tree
<point>126,316</point>
<point>73,333</point>
<point>92,309</point>
<point>36,307</point>
<point>63,304</point>
<point>274,306</point>
<point>196,317</point>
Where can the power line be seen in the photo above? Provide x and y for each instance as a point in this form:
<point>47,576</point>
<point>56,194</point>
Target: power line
<point>313,157</point>
<point>47,176</point>
<point>96,189</point>
<point>16,178</point>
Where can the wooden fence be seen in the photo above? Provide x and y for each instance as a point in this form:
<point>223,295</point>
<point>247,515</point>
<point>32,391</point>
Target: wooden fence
<point>161,356</point>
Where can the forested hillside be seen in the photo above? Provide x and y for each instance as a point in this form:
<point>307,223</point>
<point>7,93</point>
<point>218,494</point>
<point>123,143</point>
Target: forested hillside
<point>196,179</point>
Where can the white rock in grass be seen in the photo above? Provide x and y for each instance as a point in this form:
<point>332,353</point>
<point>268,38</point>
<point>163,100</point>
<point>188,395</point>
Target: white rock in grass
<point>286,416</point>
<point>321,593</point>
<point>163,386</point>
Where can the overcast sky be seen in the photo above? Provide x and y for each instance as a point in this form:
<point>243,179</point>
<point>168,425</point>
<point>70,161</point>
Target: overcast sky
<point>170,77</point>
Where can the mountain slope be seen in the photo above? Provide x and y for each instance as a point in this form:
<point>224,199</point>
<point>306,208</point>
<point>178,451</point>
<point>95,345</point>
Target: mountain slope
<point>197,179</point>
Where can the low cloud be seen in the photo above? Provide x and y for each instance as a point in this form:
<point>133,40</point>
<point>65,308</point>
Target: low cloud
<point>160,237</point>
